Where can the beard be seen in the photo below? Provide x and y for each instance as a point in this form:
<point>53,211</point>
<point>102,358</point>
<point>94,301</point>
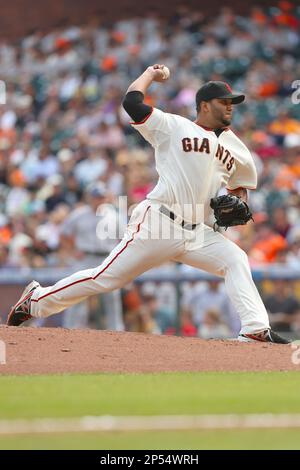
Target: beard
<point>226,121</point>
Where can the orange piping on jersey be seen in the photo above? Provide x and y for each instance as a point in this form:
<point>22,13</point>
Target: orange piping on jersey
<point>144,120</point>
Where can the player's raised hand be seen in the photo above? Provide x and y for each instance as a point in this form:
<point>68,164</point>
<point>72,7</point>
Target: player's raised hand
<point>159,72</point>
<point>154,73</point>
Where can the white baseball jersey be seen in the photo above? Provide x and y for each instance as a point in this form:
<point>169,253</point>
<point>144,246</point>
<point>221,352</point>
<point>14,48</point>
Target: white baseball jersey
<point>194,164</point>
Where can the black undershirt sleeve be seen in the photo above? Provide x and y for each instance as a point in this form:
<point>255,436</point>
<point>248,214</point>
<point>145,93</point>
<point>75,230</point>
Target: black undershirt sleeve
<point>135,107</point>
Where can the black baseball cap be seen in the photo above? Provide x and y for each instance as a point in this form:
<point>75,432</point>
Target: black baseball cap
<point>217,89</point>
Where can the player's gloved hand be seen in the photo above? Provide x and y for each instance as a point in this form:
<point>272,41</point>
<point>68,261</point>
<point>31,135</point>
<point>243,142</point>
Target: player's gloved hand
<point>230,210</point>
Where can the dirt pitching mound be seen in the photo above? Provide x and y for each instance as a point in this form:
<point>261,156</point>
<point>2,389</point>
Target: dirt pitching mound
<point>56,350</point>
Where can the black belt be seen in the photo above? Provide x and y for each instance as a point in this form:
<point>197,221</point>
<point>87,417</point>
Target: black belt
<point>164,210</point>
<point>96,253</point>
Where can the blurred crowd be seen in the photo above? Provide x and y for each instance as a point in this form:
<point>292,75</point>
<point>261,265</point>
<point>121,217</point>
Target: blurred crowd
<point>62,129</point>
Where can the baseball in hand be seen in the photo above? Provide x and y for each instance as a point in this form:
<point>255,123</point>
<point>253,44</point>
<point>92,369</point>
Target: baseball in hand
<point>161,72</point>
<point>166,72</point>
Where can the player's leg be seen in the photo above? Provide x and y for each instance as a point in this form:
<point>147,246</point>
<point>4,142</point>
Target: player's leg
<point>136,253</point>
<point>216,254</point>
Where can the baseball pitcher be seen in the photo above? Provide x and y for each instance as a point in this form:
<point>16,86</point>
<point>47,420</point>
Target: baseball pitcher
<point>180,218</point>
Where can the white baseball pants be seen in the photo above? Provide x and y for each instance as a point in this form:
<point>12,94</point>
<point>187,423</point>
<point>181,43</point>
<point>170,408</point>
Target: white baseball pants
<point>151,239</point>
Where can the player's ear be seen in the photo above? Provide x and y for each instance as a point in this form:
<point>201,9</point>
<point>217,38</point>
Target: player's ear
<point>205,106</point>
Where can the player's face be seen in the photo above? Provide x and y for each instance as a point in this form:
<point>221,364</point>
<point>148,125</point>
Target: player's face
<point>221,111</point>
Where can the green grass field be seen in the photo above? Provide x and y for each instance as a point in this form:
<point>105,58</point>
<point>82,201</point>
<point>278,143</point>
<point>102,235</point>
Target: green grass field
<point>68,396</point>
<point>208,440</point>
